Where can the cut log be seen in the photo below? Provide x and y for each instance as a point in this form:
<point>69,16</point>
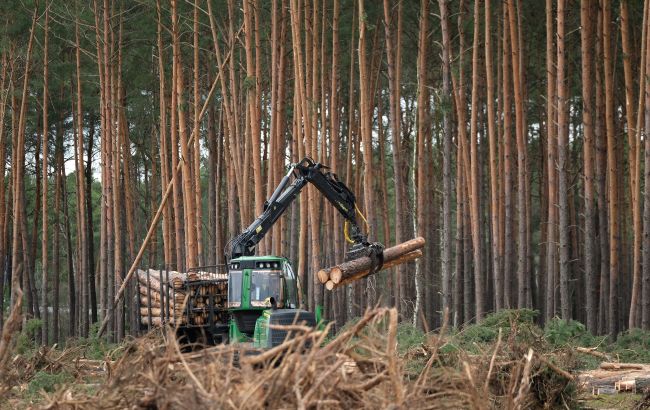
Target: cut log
<point>156,321</point>
<point>351,268</point>
<point>323,275</point>
<point>621,366</point>
<point>625,385</point>
<point>330,285</point>
<point>641,383</point>
<point>152,281</point>
<point>155,295</point>
<point>597,391</point>
<point>144,311</point>
<point>144,301</point>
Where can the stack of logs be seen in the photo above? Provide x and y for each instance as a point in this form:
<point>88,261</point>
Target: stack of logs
<point>167,302</point>
<point>614,378</point>
<point>350,271</point>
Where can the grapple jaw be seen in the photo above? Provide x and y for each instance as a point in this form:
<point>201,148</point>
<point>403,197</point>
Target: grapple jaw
<point>374,251</point>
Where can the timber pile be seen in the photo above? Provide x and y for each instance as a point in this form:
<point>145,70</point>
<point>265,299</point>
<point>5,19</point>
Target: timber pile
<point>614,378</point>
<point>350,271</point>
<point>170,301</point>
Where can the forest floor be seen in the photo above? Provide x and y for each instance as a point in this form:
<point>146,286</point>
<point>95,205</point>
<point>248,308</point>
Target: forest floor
<point>373,362</point>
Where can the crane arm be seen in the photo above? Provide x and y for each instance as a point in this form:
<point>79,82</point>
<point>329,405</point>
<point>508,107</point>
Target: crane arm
<point>301,173</point>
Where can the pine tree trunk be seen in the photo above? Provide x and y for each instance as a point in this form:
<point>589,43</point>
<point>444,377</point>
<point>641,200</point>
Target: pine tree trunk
<point>562,146</point>
<point>4,90</point>
<point>590,236</point>
<point>423,134</point>
<point>645,290</point>
<point>509,252</point>
<point>494,183</point>
<point>474,177</point>
<point>612,173</point>
<point>44,180</point>
<point>634,319</point>
<point>447,197</point>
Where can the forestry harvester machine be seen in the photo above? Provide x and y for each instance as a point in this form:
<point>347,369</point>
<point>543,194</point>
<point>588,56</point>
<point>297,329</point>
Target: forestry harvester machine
<point>241,302</point>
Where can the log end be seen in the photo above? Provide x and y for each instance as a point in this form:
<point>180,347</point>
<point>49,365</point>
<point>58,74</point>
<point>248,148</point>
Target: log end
<point>336,274</point>
<point>323,276</point>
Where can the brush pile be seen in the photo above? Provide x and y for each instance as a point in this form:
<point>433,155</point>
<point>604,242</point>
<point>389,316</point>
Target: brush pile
<point>180,298</point>
<point>362,367</point>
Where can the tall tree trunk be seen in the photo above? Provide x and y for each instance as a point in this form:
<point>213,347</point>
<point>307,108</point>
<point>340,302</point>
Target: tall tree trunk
<point>44,203</point>
<point>4,94</point>
<point>188,187</point>
<point>494,183</point>
<point>590,236</point>
<point>18,171</point>
<point>474,196</point>
<point>612,172</point>
<point>634,319</point>
<point>196,149</point>
<point>423,135</point>
<point>562,146</point>
<point>551,240</point>
<point>523,281</point>
<point>447,197</point>
<point>645,290</point>
<point>508,219</point>
<point>84,267</point>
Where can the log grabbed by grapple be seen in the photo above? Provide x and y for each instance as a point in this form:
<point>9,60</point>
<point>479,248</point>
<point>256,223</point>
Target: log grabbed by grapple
<point>350,271</point>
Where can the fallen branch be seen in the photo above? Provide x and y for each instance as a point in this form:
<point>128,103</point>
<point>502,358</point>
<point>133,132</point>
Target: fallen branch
<point>592,351</point>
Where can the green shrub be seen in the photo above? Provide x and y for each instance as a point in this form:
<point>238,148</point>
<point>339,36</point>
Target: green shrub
<point>633,346</point>
<point>409,336</point>
<point>48,382</point>
<point>559,332</point>
<point>25,341</point>
<point>488,330</point>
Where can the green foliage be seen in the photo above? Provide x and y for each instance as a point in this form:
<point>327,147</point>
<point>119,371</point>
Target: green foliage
<point>96,347</point>
<point>409,336</point>
<point>488,330</point>
<point>633,345</point>
<point>25,341</point>
<point>48,382</point>
<point>559,332</point>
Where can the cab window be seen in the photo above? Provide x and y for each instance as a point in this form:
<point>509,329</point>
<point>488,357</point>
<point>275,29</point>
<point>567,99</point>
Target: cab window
<point>234,289</point>
<point>264,286</point>
<point>290,283</point>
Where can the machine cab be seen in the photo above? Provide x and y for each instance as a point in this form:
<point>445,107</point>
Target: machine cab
<point>256,284</point>
<point>261,283</point>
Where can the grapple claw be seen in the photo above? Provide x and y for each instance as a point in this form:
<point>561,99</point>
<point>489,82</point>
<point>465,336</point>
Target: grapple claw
<point>375,251</point>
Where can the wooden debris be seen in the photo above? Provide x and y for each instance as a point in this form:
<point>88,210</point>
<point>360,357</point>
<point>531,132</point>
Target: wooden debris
<point>593,352</point>
<point>619,377</point>
<point>358,268</point>
<point>621,366</point>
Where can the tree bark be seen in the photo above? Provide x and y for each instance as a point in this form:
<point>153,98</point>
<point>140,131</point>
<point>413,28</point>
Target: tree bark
<point>612,173</point>
<point>590,237</point>
<point>44,180</point>
<point>562,146</point>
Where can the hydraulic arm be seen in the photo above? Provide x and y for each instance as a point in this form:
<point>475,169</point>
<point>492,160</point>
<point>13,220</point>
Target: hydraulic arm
<point>339,195</point>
